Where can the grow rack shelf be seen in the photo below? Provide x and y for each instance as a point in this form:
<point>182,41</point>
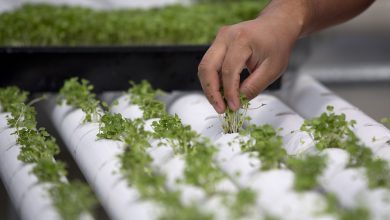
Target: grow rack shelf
<point>168,67</point>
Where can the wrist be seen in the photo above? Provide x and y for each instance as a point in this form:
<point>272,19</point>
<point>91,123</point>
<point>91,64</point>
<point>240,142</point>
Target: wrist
<point>294,16</point>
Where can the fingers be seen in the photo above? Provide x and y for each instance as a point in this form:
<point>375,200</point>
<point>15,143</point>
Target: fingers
<point>235,61</point>
<point>208,74</point>
<point>262,77</point>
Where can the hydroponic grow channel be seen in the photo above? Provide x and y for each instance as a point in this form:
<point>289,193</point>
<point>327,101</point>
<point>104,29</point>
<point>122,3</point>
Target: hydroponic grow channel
<point>234,177</point>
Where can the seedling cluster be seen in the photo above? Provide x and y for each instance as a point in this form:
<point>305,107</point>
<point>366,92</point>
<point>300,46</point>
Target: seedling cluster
<point>37,147</point>
<point>202,170</point>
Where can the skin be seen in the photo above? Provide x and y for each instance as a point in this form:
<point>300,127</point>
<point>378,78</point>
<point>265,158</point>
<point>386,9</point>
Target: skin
<point>263,46</point>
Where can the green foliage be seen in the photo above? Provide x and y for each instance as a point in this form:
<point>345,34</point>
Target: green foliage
<point>200,169</point>
<point>329,130</point>
<point>41,24</point>
<point>38,148</point>
<point>78,93</point>
<point>144,96</point>
<point>72,199</point>
<point>267,144</point>
<point>189,213</point>
<point>11,95</point>
<point>22,116</point>
<point>112,126</point>
<point>48,170</point>
<point>307,170</point>
<point>343,213</point>
<point>36,145</point>
<point>378,173</point>
<point>242,203</point>
<point>136,167</point>
<point>171,128</point>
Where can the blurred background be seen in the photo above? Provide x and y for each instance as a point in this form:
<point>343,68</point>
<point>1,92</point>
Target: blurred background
<point>352,59</point>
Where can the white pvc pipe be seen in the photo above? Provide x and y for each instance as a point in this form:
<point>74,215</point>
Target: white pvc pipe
<point>99,162</point>
<point>267,109</point>
<point>309,98</point>
<point>336,161</point>
<point>377,201</point>
<point>304,205</point>
<point>277,196</point>
<point>244,168</point>
<point>171,165</point>
<point>349,185</point>
<point>3,120</point>
<point>126,109</point>
<point>29,197</point>
<point>271,185</point>
<point>241,167</point>
<point>193,109</point>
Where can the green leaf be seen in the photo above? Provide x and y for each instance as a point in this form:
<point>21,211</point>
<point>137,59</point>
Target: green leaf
<point>267,144</point>
<point>78,94</point>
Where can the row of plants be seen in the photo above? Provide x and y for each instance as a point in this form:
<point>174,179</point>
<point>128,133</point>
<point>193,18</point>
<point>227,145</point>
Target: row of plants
<point>72,199</point>
<point>329,131</point>
<point>202,171</point>
<point>44,25</point>
<point>136,163</point>
<point>264,141</point>
<point>268,146</point>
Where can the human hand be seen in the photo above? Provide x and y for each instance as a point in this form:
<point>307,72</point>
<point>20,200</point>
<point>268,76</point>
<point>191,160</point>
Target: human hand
<point>263,46</point>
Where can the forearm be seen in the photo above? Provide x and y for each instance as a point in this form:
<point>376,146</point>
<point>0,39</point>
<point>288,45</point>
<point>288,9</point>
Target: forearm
<point>308,16</point>
<point>263,46</point>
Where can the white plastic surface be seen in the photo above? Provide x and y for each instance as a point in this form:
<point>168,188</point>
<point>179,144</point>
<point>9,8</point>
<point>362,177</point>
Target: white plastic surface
<point>267,109</point>
<point>172,166</point>
<point>126,109</point>
<point>309,98</point>
<point>29,197</point>
<point>98,161</point>
<point>349,186</point>
<point>193,109</point>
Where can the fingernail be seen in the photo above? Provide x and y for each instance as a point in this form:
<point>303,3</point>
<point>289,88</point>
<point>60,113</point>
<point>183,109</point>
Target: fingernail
<point>232,104</point>
<point>218,108</point>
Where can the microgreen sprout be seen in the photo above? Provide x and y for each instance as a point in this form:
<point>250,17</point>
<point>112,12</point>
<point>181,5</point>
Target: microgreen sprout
<point>11,95</point>
<point>198,152</point>
<point>137,169</point>
<point>170,128</point>
<point>306,169</point>
<point>38,147</point>
<point>329,129</point>
<point>232,121</point>
<point>333,206</point>
<point>78,93</point>
<point>144,96</point>
<point>332,130</point>
<point>242,203</point>
<point>265,141</point>
<point>180,24</point>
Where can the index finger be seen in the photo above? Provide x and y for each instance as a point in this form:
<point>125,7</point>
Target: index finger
<point>208,74</point>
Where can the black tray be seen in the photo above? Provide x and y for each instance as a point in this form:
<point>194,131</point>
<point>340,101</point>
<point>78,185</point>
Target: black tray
<point>44,69</point>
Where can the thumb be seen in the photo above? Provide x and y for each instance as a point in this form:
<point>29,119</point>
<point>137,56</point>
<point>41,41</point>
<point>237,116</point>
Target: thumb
<point>264,75</point>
